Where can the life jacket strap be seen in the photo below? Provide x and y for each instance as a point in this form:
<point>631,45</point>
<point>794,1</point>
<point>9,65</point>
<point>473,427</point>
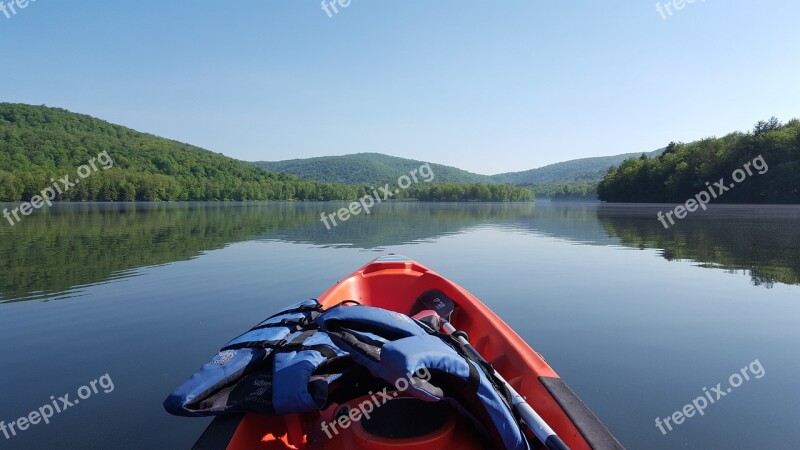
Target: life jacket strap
<point>486,367</point>
<point>301,322</point>
<point>273,345</point>
<point>303,308</point>
<point>284,346</point>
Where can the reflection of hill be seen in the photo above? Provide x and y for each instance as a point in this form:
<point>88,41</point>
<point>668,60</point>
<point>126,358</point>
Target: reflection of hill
<point>763,241</point>
<point>74,245</point>
<point>571,221</point>
<point>400,223</point>
<point>53,252</point>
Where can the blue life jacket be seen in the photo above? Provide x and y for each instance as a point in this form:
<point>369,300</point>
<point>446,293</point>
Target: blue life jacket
<point>249,375</point>
<point>289,363</point>
<point>397,349</point>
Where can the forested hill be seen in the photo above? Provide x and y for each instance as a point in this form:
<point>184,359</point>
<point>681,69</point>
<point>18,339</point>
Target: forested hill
<point>770,153</point>
<point>40,144</point>
<point>574,178</point>
<point>575,170</point>
<point>366,168</point>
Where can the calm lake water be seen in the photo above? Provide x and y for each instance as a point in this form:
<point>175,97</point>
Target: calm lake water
<point>637,319</point>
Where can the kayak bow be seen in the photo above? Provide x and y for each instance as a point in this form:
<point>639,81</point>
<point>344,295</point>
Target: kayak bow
<point>395,283</point>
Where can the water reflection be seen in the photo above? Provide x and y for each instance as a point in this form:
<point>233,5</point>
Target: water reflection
<point>53,253</point>
<point>761,241</point>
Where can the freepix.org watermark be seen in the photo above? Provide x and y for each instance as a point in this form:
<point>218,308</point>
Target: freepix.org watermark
<point>56,406</point>
<point>366,407</point>
<point>714,191</point>
<point>710,396</point>
<point>59,187</point>
<point>367,202</point>
<point>11,7</point>
<point>330,6</point>
<point>666,10</point>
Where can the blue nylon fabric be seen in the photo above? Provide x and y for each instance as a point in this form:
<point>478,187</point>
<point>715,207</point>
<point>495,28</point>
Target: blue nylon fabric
<point>229,365</point>
<point>503,419</point>
<point>291,373</point>
<point>273,333</point>
<point>290,381</point>
<point>387,321</point>
<point>423,351</point>
<point>262,335</point>
<point>211,376</point>
<point>417,349</point>
<point>411,349</point>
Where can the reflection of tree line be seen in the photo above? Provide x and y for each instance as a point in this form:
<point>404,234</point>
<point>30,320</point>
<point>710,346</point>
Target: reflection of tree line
<point>766,245</point>
<point>401,223</point>
<point>74,245</point>
<point>57,250</point>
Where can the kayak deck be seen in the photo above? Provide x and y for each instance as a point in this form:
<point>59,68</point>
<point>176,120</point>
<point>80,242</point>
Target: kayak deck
<point>394,282</point>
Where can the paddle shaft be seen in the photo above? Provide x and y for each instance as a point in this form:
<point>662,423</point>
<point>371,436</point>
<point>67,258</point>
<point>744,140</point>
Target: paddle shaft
<point>532,419</point>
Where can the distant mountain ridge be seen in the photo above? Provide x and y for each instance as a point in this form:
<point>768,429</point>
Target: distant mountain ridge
<point>366,168</point>
<point>575,170</point>
<point>377,168</point>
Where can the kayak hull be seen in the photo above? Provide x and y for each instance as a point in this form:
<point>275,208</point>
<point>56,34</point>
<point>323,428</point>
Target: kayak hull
<point>394,282</point>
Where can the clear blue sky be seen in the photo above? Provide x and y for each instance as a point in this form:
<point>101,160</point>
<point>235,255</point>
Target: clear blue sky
<point>486,86</point>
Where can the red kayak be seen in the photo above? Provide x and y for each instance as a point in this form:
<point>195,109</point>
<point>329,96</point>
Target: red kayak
<point>429,426</point>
